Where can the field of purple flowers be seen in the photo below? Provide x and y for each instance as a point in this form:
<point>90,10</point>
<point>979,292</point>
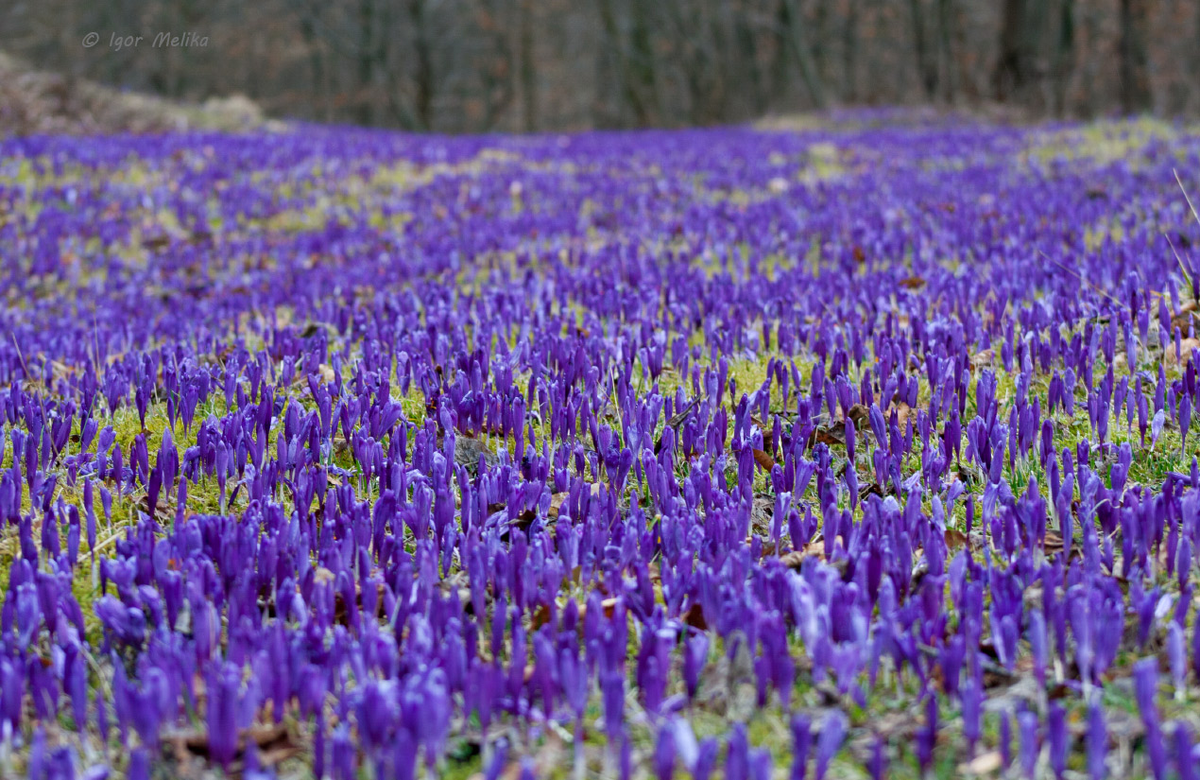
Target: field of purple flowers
<point>856,452</point>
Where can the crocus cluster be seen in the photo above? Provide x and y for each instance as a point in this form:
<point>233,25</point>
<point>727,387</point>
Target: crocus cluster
<point>707,453</point>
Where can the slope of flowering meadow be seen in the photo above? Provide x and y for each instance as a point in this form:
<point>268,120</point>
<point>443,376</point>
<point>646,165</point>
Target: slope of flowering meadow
<point>737,454</point>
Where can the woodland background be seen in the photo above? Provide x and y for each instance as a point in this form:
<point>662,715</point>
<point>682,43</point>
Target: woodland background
<point>552,65</point>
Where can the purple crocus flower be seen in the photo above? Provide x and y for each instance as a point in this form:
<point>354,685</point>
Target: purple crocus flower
<point>879,761</point>
<point>801,740</point>
<point>927,735</point>
<point>1177,656</point>
<point>664,754</point>
<point>706,758</point>
<point>1185,759</point>
<point>223,684</point>
<point>1005,740</point>
<point>1145,682</point>
<point>1058,738</point>
<point>737,756</point>
<point>1097,741</point>
<point>139,765</point>
<point>694,659</point>
<point>833,731</point>
<point>1030,747</point>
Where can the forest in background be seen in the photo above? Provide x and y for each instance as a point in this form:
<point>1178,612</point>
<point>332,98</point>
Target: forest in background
<point>551,65</point>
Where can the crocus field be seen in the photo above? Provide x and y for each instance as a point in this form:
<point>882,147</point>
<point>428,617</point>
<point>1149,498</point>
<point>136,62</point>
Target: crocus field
<point>862,451</point>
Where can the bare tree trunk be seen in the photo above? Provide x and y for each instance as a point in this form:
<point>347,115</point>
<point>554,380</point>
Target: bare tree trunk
<point>850,53</point>
<point>690,43</point>
<point>423,88</point>
<point>1135,92</point>
<point>365,104</point>
<point>1011,69</point>
<point>633,59</point>
<point>494,63</point>
<point>365,65</point>
<point>643,64</point>
<point>1195,48</point>
<point>820,36</point>
<point>1064,54</point>
<point>745,52</point>
<point>317,64</point>
<point>1088,66</point>
<point>528,69</point>
<point>949,77</point>
<point>803,53</point>
<point>926,65</point>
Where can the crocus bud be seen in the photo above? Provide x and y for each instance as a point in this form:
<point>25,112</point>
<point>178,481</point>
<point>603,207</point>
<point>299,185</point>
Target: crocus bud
<point>1027,725</point>
<point>833,731</point>
<point>664,754</point>
<point>1058,738</point>
<point>139,765</point>
<point>706,759</point>
<point>801,740</point>
<point>1097,741</point>
<point>1185,760</point>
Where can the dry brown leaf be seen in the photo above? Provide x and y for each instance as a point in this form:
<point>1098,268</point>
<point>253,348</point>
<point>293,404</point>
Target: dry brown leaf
<point>1186,315</point>
<point>793,559</point>
<point>468,450</point>
<point>859,414</point>
<point>60,370</point>
<point>694,617</point>
<point>678,419</point>
<point>764,461</point>
<point>608,604</point>
<point>956,539</point>
<point>983,764</point>
<point>540,617</point>
<point>556,502</point>
<point>874,489</point>
<point>815,549</point>
<point>983,359</point>
<point>1185,352</point>
<point>829,435</point>
<point>162,512</point>
<point>273,741</point>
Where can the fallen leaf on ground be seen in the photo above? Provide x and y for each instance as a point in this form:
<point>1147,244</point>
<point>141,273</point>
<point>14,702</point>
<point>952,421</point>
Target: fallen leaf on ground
<point>956,539</point>
<point>1185,352</point>
<point>556,502</point>
<point>814,549</point>
<point>983,764</point>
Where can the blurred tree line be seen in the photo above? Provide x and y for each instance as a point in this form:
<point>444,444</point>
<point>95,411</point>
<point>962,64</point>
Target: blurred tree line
<point>532,65</point>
